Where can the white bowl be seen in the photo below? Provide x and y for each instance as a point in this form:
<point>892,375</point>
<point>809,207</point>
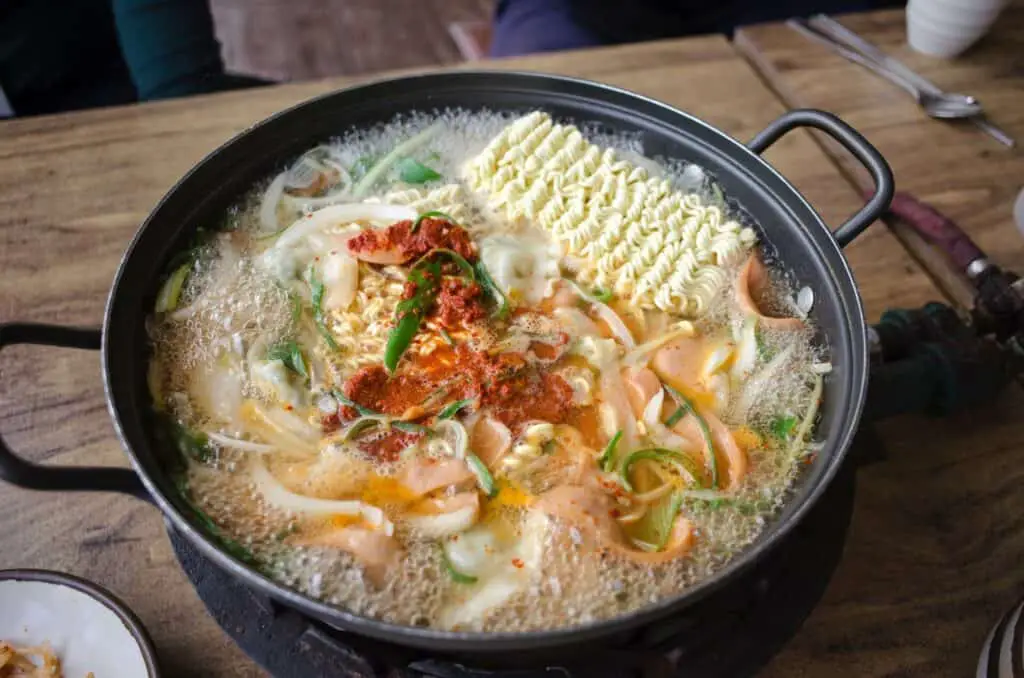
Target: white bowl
<point>87,627</point>
<point>945,28</point>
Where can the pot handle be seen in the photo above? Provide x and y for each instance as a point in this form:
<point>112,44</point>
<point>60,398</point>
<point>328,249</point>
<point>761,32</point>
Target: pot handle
<point>856,144</point>
<point>29,475</point>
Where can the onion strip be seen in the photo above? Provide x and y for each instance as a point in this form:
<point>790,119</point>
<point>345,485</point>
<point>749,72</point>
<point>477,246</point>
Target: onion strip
<point>268,205</point>
<point>808,421</point>
<point>609,316</point>
<point>236,444</point>
<point>278,496</point>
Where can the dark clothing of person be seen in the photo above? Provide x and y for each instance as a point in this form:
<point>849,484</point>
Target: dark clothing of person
<point>58,55</point>
<point>529,26</point>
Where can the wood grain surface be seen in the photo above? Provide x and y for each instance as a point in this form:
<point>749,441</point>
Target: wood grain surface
<point>74,188</point>
<point>952,165</point>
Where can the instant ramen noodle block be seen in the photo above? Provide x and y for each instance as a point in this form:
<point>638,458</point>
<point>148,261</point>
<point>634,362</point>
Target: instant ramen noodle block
<point>630,232</point>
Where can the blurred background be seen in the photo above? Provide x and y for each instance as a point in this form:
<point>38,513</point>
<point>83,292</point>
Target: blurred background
<point>305,39</point>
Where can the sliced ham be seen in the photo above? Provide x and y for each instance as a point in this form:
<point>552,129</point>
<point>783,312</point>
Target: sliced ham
<point>679,364</point>
<point>423,475</point>
<point>372,549</point>
<point>751,285</point>
<point>592,512</point>
<point>732,460</point>
<point>490,440</point>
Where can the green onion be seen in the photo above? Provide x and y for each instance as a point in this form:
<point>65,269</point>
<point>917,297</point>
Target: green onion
<point>291,355</point>
<point>414,172</point>
<point>286,532</point>
<point>192,444</point>
<point>655,528</point>
<point>400,339</point>
<point>452,409</point>
<point>602,295</point>
<point>427,215</point>
<point>362,166</point>
<point>447,337</point>
<point>363,424</point>
<point>487,282</point>
<point>170,292</point>
<point>608,456</point>
<point>317,292</point>
<point>375,172</point>
<point>483,477</point>
<point>705,432</point>
<point>296,307</point>
<point>407,426</point>
<point>456,576</point>
<point>659,454</point>
<point>782,427</point>
<point>458,259</point>
<point>674,418</point>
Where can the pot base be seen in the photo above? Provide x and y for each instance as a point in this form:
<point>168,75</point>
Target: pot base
<point>732,633</point>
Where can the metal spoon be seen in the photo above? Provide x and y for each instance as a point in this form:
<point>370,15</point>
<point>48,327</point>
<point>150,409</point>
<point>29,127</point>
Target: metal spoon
<point>941,105</point>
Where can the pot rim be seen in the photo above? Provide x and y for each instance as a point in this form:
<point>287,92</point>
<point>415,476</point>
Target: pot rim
<point>482,642</point>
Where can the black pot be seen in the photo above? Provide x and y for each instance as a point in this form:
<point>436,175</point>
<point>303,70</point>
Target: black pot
<point>790,226</point>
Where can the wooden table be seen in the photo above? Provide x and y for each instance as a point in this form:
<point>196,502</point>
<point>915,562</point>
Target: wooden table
<point>936,544</point>
<point>954,166</point>
<point>74,188</point>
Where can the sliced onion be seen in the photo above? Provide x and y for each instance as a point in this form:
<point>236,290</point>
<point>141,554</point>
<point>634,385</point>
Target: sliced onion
<point>762,381</point>
<point>638,356</point>
<point>746,349</point>
<point>812,412</point>
<point>346,213</point>
<point>281,429</point>
<point>454,434</point>
<point>268,205</point>
<point>610,317</point>
<point>704,495</point>
<point>613,391</point>
<point>278,496</point>
<point>236,444</point>
<point>444,524</point>
<point>821,368</point>
<point>652,411</point>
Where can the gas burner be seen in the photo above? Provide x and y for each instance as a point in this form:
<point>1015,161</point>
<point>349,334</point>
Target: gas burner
<point>734,633</point>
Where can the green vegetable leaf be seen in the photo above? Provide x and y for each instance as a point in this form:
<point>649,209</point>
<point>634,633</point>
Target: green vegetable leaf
<point>483,476</point>
<point>608,455</point>
<point>661,455</point>
<point>400,339</point>
<point>192,444</point>
<point>407,426</point>
<point>456,576</point>
<point>290,354</point>
<point>502,308</point>
<point>432,214</point>
<point>451,409</point>
<point>705,432</point>
<point>783,427</point>
<point>316,287</point>
<point>602,295</point>
<point>414,172</point>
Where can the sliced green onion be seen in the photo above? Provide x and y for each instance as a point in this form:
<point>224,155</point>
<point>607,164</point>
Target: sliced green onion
<point>170,292</point>
<point>705,432</point>
<point>400,339</point>
<point>375,172</point>
<point>452,409</point>
<point>659,454</point>
<point>406,426</point>
<point>458,259</point>
<point>502,309</point>
<point>608,456</point>
<point>317,292</point>
<point>655,528</point>
<point>602,295</point>
<point>192,444</point>
<point>415,172</point>
<point>447,337</point>
<point>483,476</point>
<point>675,417</point>
<point>363,424</point>
<point>782,427</point>
<point>456,576</point>
<point>431,214</point>
<point>291,355</point>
